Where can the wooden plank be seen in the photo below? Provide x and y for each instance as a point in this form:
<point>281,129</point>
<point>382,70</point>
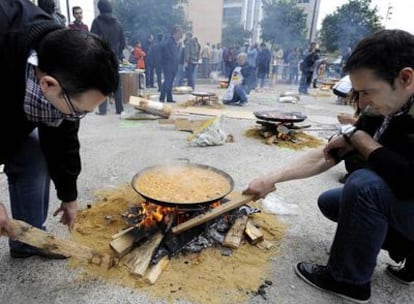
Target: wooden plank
<point>184,124</point>
<point>236,200</point>
<point>122,232</point>
<point>155,271</point>
<point>235,234</point>
<point>53,244</point>
<point>253,233</point>
<point>139,259</point>
<point>123,244</point>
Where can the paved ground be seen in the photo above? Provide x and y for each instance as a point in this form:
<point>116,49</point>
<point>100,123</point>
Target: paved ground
<point>114,150</point>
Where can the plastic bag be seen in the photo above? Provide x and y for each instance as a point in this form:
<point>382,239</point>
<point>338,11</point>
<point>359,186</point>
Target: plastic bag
<point>275,204</point>
<point>209,134</point>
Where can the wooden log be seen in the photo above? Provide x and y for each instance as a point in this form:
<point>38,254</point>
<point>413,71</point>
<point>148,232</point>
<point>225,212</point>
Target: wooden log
<point>155,271</point>
<point>264,245</point>
<point>123,244</point>
<point>253,233</point>
<point>139,258</point>
<point>235,234</point>
<point>122,232</point>
<point>236,200</point>
<point>270,140</point>
<point>50,243</point>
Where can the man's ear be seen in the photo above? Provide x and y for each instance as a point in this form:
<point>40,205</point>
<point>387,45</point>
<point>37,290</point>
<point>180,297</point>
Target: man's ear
<point>407,77</point>
<point>49,85</point>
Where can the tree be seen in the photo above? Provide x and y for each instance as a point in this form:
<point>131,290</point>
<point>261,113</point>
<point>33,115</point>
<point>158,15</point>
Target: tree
<point>284,23</point>
<point>234,34</point>
<point>142,17</point>
<point>349,24</point>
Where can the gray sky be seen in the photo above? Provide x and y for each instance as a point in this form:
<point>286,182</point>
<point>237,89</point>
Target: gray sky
<point>401,17</point>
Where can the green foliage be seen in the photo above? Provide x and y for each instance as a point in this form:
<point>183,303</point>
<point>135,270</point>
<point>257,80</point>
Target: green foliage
<point>234,33</point>
<point>142,17</point>
<point>284,24</point>
<point>349,24</point>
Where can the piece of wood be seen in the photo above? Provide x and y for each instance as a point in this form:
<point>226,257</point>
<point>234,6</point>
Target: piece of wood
<point>122,232</point>
<point>253,233</point>
<point>264,245</point>
<point>236,200</point>
<point>139,258</point>
<point>155,271</point>
<point>270,140</point>
<point>123,244</point>
<point>53,244</point>
<point>234,236</point>
<point>184,124</point>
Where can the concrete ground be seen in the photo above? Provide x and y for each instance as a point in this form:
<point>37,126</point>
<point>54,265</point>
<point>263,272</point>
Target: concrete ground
<point>113,150</point>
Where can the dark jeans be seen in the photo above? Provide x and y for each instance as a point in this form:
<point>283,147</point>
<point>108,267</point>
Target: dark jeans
<point>149,73</point>
<point>365,210</point>
<point>305,81</point>
<point>29,181</point>
<point>158,72</point>
<point>118,102</point>
<point>167,86</point>
<point>191,74</point>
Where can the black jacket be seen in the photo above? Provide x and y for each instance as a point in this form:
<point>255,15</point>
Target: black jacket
<point>108,28</point>
<point>22,26</point>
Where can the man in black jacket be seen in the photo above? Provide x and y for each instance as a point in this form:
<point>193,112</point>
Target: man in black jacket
<point>375,207</point>
<point>109,29</point>
<point>49,86</point>
<point>169,58</point>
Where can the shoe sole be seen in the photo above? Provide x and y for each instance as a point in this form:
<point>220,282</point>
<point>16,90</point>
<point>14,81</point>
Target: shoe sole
<point>300,275</point>
<point>390,274</point>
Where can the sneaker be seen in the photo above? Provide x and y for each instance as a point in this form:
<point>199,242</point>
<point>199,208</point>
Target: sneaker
<point>400,274</point>
<point>44,254</point>
<point>320,278</point>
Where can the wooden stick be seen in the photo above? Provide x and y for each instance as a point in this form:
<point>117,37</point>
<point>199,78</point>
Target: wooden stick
<point>155,271</point>
<point>50,243</point>
<point>236,200</point>
<point>253,233</point>
<point>122,232</point>
<point>123,244</point>
<point>139,258</point>
<point>235,234</point>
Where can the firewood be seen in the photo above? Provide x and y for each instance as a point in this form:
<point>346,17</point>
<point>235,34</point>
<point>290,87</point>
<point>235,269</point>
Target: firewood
<point>52,244</point>
<point>235,234</point>
<point>264,245</point>
<point>139,258</point>
<point>253,233</point>
<point>155,271</point>
<point>123,244</point>
<point>267,134</point>
<point>122,232</point>
<point>270,140</point>
<point>236,200</point>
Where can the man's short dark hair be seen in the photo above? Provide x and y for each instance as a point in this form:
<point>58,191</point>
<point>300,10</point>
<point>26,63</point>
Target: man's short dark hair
<point>104,6</point>
<point>80,61</point>
<point>49,6</point>
<point>386,53</point>
<point>75,8</point>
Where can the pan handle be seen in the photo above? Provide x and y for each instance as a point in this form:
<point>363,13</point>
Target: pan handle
<point>183,159</point>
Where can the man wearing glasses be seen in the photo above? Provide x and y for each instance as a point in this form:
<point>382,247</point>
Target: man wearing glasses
<point>49,87</point>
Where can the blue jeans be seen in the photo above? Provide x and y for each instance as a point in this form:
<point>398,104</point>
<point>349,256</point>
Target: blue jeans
<point>365,208</point>
<point>240,93</point>
<point>29,182</point>
<point>167,85</point>
<point>179,80</point>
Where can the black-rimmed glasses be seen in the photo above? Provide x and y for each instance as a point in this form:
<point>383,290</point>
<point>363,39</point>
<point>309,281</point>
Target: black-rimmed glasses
<point>74,115</point>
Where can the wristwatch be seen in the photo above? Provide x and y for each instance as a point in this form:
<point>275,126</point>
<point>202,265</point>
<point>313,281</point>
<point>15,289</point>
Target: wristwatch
<point>347,131</point>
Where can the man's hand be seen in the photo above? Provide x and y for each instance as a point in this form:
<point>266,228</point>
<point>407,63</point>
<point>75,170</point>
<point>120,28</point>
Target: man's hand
<point>260,187</point>
<point>5,223</point>
<point>69,211</point>
<point>336,148</point>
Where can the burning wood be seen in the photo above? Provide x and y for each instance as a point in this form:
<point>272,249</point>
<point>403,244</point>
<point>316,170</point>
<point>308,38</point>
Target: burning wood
<point>152,238</point>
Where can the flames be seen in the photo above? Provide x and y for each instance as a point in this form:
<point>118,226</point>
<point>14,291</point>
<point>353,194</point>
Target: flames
<point>146,215</point>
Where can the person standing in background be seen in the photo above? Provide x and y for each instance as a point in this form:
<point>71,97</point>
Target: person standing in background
<point>190,58</point>
<point>263,63</point>
<point>205,60</point>
<point>169,58</point>
<point>49,6</point>
<point>139,55</point>
<point>78,24</point>
<point>109,29</point>
<point>149,68</point>
<point>156,60</point>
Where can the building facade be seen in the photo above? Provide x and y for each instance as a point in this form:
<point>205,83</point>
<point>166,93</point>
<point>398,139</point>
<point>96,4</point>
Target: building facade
<point>250,13</point>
